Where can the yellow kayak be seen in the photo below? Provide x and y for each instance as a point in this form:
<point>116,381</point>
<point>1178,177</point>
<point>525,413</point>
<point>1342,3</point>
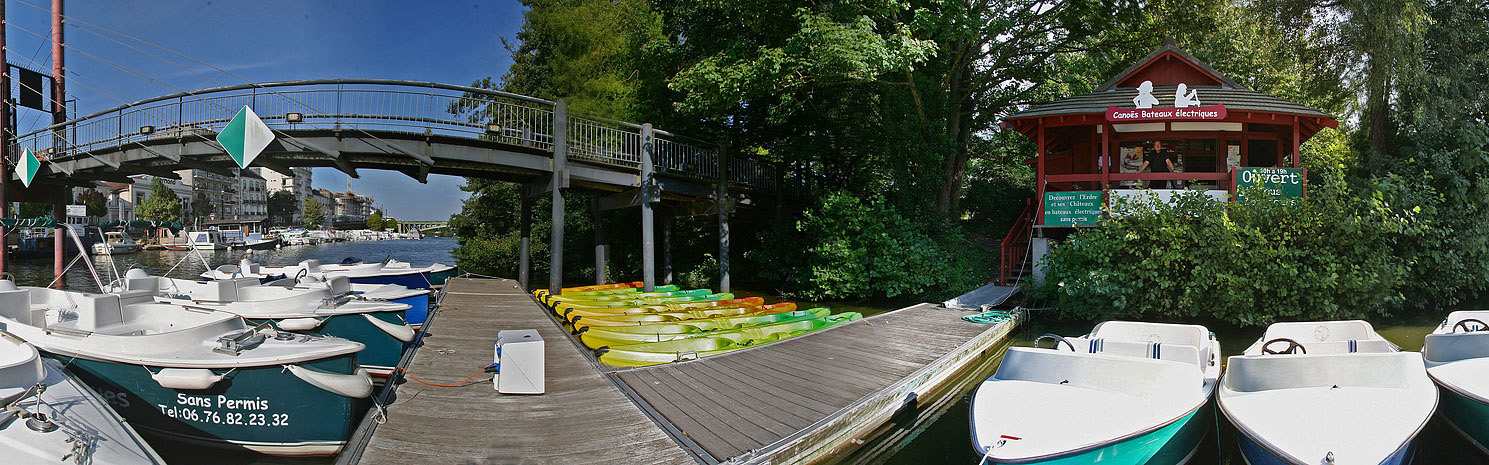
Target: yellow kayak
<point>561,307</point>
<point>686,315</point>
<point>610,300</point>
<point>543,296</point>
<point>571,312</point>
<point>597,337</point>
<point>709,324</point>
<point>652,353</point>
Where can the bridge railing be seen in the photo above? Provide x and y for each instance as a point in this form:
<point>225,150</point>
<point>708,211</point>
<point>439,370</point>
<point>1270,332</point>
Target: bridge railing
<point>384,105</point>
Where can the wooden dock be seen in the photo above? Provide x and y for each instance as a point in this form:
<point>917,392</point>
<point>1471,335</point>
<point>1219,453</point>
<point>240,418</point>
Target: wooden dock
<point>801,400</point>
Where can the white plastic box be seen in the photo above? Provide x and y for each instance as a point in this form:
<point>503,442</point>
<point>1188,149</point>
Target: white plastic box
<point>520,353</point>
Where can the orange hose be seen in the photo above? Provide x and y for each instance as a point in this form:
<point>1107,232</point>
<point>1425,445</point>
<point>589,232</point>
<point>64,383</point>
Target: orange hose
<point>426,383</point>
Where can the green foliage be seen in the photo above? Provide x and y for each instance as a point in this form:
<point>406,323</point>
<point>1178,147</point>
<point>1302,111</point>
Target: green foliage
<point>35,210</point>
<point>375,221</point>
<point>1244,263</point>
<point>390,224</point>
<point>853,247</point>
<point>94,202</point>
<point>281,206</point>
<point>703,275</point>
<point>311,214</point>
<point>160,205</point>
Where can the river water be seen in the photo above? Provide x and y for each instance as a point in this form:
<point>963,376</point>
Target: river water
<point>945,438</point>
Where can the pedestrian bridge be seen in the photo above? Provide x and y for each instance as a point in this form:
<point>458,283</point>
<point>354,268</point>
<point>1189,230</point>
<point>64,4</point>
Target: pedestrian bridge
<point>419,128</point>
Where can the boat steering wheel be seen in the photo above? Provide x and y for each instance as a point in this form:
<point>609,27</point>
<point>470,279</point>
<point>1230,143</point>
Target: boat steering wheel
<point>1466,329</point>
<point>1293,347</point>
<point>303,273</point>
<point>1058,339</point>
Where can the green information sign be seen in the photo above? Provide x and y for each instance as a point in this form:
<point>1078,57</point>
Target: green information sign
<point>1277,182</point>
<point>1072,208</point>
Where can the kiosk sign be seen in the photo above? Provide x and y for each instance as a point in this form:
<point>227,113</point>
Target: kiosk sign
<point>1072,208</point>
<point>1277,182</point>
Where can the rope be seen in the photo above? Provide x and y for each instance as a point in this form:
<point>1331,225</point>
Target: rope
<point>990,317</point>
<point>467,381</point>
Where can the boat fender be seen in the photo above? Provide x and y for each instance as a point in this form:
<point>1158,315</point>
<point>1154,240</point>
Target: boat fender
<point>357,385</point>
<point>186,378</point>
<point>402,332</point>
<point>299,324</point>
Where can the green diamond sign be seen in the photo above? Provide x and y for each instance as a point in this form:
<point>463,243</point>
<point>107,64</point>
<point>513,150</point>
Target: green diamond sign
<point>26,167</point>
<point>245,136</point>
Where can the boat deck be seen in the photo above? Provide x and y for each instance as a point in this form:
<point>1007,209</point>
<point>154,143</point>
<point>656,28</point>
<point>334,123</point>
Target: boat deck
<point>798,400</point>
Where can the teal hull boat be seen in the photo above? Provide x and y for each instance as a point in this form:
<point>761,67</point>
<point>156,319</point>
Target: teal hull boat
<point>1457,358</point>
<point>1128,393</point>
<point>384,350</point>
<point>262,409</point>
<point>1466,415</point>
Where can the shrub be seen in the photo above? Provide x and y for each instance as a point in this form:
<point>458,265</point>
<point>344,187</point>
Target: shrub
<point>1247,263</point>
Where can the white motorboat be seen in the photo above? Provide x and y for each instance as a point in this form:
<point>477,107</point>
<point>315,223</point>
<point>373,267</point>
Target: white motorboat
<point>116,243</point>
<point>49,417</point>
<point>1332,392</point>
<point>207,240</point>
<point>194,374</point>
<point>328,308</point>
<point>1457,358</point>
<point>1128,393</point>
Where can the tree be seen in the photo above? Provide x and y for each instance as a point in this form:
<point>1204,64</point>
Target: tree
<point>94,202</point>
<point>160,205</point>
<point>35,210</point>
<point>281,206</point>
<point>390,224</point>
<point>375,220</point>
<point>311,213</point>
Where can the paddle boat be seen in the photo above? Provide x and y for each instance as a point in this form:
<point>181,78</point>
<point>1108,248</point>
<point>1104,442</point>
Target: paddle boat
<point>198,375</point>
<point>1331,392</point>
<point>49,417</point>
<point>1127,393</point>
<point>1457,358</point>
<point>324,308</point>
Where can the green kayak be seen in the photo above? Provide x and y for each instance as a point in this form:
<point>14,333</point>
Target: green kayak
<point>651,353</point>
<point>597,337</point>
<point>572,312</point>
<point>694,314</point>
<point>711,324</point>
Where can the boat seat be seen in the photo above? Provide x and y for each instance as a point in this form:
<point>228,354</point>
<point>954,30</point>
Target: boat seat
<point>1441,348</point>
<point>1306,332</point>
<point>1369,346</point>
<point>1171,352</point>
<point>98,311</point>
<point>15,304</point>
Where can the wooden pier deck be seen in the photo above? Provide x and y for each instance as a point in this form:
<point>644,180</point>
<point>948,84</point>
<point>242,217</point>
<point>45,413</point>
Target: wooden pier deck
<point>800,400</point>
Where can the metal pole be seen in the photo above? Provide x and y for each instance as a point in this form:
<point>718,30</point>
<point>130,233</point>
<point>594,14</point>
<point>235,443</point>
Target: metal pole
<point>648,244</point>
<point>666,247</point>
<point>5,131</point>
<point>560,180</point>
<point>601,247</point>
<point>524,247</point>
<point>723,205</point>
<point>59,115</point>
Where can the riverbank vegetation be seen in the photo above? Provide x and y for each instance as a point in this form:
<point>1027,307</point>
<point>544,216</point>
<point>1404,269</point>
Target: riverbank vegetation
<point>891,110</point>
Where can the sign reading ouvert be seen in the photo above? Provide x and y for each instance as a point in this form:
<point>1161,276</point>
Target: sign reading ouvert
<point>1072,208</point>
<point>1276,182</point>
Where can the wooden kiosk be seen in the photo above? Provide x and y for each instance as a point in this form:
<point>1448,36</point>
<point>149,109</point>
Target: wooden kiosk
<point>1167,123</point>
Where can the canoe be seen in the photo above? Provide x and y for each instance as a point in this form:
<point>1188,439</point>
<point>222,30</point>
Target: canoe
<point>615,300</point>
<point>540,293</point>
<point>693,314</point>
<point>570,313</point>
<point>652,353</point>
<point>1307,392</point>
<point>689,315</point>
<point>1457,358</point>
<point>561,307</point>
<point>1127,393</point>
<point>597,337</point>
<point>710,324</point>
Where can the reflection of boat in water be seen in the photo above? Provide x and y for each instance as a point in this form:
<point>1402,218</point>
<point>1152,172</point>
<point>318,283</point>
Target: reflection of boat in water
<point>116,243</point>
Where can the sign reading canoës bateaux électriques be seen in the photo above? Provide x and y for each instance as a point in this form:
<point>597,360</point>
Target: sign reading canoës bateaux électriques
<point>1277,182</point>
<point>1184,99</point>
<point>1072,208</point>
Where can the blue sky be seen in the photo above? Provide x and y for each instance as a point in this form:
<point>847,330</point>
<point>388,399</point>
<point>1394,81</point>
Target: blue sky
<point>272,40</point>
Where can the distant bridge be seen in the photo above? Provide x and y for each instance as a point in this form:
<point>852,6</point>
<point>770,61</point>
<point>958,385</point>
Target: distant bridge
<point>423,226</point>
<point>418,128</point>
